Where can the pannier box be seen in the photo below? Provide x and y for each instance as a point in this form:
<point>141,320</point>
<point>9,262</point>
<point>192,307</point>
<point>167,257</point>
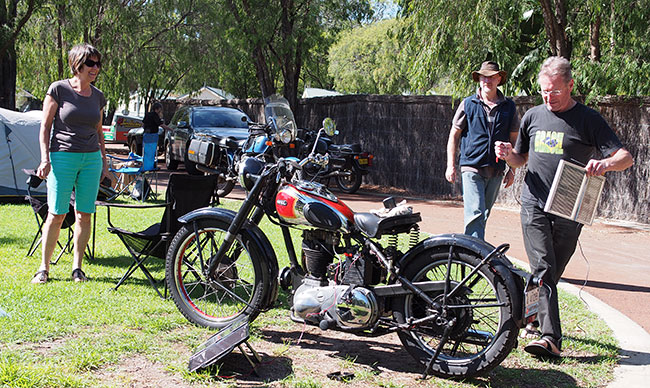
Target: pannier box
<point>203,151</point>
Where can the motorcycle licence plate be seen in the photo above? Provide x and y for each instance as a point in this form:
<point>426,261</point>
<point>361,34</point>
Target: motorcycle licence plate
<point>532,302</point>
<point>363,161</point>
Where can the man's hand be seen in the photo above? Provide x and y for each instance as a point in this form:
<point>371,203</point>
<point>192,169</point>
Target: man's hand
<point>450,174</point>
<point>597,167</point>
<point>502,149</point>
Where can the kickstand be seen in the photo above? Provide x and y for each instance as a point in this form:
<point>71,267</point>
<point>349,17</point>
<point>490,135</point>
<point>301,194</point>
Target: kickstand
<point>256,357</point>
<point>443,341</point>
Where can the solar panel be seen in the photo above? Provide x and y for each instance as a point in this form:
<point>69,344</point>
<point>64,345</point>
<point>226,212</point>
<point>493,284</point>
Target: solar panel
<point>574,195</point>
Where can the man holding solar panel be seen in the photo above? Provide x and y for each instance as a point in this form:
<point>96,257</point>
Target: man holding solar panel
<point>559,129</point>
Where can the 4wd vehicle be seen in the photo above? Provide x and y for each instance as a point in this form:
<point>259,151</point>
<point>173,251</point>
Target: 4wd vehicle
<point>191,121</point>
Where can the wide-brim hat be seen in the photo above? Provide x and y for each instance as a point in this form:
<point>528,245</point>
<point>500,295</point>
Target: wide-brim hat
<point>488,69</point>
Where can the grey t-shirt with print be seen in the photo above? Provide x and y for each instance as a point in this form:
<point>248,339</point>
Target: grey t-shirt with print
<point>76,119</point>
<point>577,135</point>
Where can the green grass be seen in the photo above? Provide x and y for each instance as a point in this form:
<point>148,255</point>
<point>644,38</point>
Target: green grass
<point>62,334</point>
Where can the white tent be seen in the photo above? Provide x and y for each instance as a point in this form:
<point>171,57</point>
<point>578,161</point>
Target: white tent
<point>19,149</point>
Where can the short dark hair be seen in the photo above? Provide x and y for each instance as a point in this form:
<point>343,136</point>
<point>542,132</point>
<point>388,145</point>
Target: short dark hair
<point>78,55</point>
<point>156,105</point>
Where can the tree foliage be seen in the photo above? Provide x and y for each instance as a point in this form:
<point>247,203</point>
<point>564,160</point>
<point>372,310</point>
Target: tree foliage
<point>604,39</point>
<point>369,60</point>
<point>247,47</point>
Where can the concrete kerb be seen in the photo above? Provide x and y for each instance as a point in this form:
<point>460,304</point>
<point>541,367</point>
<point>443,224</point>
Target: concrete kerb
<point>633,367</point>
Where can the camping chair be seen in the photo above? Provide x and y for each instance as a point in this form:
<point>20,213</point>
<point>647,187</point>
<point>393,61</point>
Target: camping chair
<point>40,208</point>
<point>184,193</point>
<point>138,167</point>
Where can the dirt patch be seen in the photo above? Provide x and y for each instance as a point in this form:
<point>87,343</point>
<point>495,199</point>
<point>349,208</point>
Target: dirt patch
<point>139,372</point>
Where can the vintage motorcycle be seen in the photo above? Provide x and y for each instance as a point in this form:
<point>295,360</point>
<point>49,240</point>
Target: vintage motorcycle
<point>347,162</point>
<point>456,302</point>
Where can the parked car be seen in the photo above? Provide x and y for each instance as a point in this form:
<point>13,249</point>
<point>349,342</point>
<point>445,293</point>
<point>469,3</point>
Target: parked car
<point>134,140</point>
<point>191,120</point>
<point>120,126</point>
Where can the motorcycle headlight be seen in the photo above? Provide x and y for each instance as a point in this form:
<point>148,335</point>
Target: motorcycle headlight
<point>285,136</point>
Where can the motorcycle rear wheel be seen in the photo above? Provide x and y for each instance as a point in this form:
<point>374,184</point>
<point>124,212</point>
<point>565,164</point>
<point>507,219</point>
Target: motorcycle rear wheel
<point>349,184</point>
<point>482,336</point>
<point>238,287</point>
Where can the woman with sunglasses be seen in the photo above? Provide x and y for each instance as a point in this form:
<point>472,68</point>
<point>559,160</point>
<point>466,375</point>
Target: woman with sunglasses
<point>73,156</point>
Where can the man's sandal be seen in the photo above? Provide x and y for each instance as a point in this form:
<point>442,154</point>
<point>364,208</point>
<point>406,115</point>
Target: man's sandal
<point>40,277</point>
<point>79,276</point>
<point>530,332</point>
<point>544,347</point>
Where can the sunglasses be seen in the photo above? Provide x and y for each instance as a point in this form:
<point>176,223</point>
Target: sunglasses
<point>91,63</point>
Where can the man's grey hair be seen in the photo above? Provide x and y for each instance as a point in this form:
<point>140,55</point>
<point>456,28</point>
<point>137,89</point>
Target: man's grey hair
<point>554,66</point>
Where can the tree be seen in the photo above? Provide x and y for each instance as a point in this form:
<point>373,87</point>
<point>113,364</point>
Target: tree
<point>13,16</point>
<point>453,38</point>
<point>146,46</point>
<point>280,33</point>
<point>368,59</point>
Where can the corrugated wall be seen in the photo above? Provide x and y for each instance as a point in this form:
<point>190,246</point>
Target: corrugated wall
<point>408,135</point>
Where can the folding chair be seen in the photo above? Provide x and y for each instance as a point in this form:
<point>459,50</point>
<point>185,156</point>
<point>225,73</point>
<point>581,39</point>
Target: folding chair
<point>184,193</point>
<point>40,208</point>
<point>138,167</point>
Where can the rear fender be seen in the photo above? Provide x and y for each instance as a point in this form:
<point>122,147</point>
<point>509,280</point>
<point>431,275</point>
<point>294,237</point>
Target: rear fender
<point>253,234</point>
<point>499,264</point>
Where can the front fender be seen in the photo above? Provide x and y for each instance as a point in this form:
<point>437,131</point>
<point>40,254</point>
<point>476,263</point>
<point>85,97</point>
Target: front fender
<point>254,234</point>
<point>499,264</point>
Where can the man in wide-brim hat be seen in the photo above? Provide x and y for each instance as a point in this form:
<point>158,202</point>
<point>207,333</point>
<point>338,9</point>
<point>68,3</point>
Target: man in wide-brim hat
<point>480,120</point>
<point>488,69</point>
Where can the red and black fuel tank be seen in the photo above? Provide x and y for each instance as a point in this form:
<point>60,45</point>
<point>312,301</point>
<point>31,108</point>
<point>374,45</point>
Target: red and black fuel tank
<point>312,204</point>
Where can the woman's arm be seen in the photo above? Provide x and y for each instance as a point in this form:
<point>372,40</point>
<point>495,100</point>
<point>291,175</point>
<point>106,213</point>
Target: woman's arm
<point>102,144</point>
<point>49,110</point>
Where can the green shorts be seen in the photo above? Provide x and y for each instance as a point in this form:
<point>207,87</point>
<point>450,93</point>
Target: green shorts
<point>80,171</point>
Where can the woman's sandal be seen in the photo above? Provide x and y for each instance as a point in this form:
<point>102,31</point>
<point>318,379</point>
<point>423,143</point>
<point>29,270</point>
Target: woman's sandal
<point>530,332</point>
<point>544,347</point>
<point>79,276</point>
<point>40,277</point>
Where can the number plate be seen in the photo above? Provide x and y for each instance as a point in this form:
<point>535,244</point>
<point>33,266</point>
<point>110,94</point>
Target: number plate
<point>532,301</point>
<point>363,161</point>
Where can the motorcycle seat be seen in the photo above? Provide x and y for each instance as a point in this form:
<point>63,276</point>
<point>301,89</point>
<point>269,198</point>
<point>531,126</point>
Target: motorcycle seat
<point>374,226</point>
<point>229,142</point>
<point>346,148</point>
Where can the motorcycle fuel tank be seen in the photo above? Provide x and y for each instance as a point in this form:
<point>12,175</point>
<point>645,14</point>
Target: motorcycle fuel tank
<point>311,204</point>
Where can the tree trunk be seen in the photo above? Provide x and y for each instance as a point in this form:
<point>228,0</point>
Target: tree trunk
<point>555,24</point>
<point>267,86</point>
<point>8,79</point>
<point>594,39</point>
<point>59,40</point>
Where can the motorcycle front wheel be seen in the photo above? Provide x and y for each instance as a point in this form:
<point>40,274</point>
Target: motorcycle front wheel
<point>484,332</point>
<point>349,184</point>
<point>237,287</point>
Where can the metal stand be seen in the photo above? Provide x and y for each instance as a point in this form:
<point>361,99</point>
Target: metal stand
<point>222,344</point>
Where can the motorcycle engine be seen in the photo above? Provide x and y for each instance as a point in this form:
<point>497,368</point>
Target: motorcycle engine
<point>348,307</point>
<point>321,301</point>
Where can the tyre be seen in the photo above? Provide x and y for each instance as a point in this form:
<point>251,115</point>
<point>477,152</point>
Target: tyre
<point>349,183</point>
<point>190,166</point>
<point>236,290</point>
<point>170,163</point>
<point>224,186</point>
<point>484,332</point>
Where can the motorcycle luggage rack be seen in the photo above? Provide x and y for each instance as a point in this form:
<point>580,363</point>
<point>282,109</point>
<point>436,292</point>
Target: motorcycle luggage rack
<point>223,343</point>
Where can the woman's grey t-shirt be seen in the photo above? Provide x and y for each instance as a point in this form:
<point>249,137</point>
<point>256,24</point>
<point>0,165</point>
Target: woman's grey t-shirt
<point>76,119</point>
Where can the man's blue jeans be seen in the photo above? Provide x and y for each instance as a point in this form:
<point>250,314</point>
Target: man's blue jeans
<point>479,194</point>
